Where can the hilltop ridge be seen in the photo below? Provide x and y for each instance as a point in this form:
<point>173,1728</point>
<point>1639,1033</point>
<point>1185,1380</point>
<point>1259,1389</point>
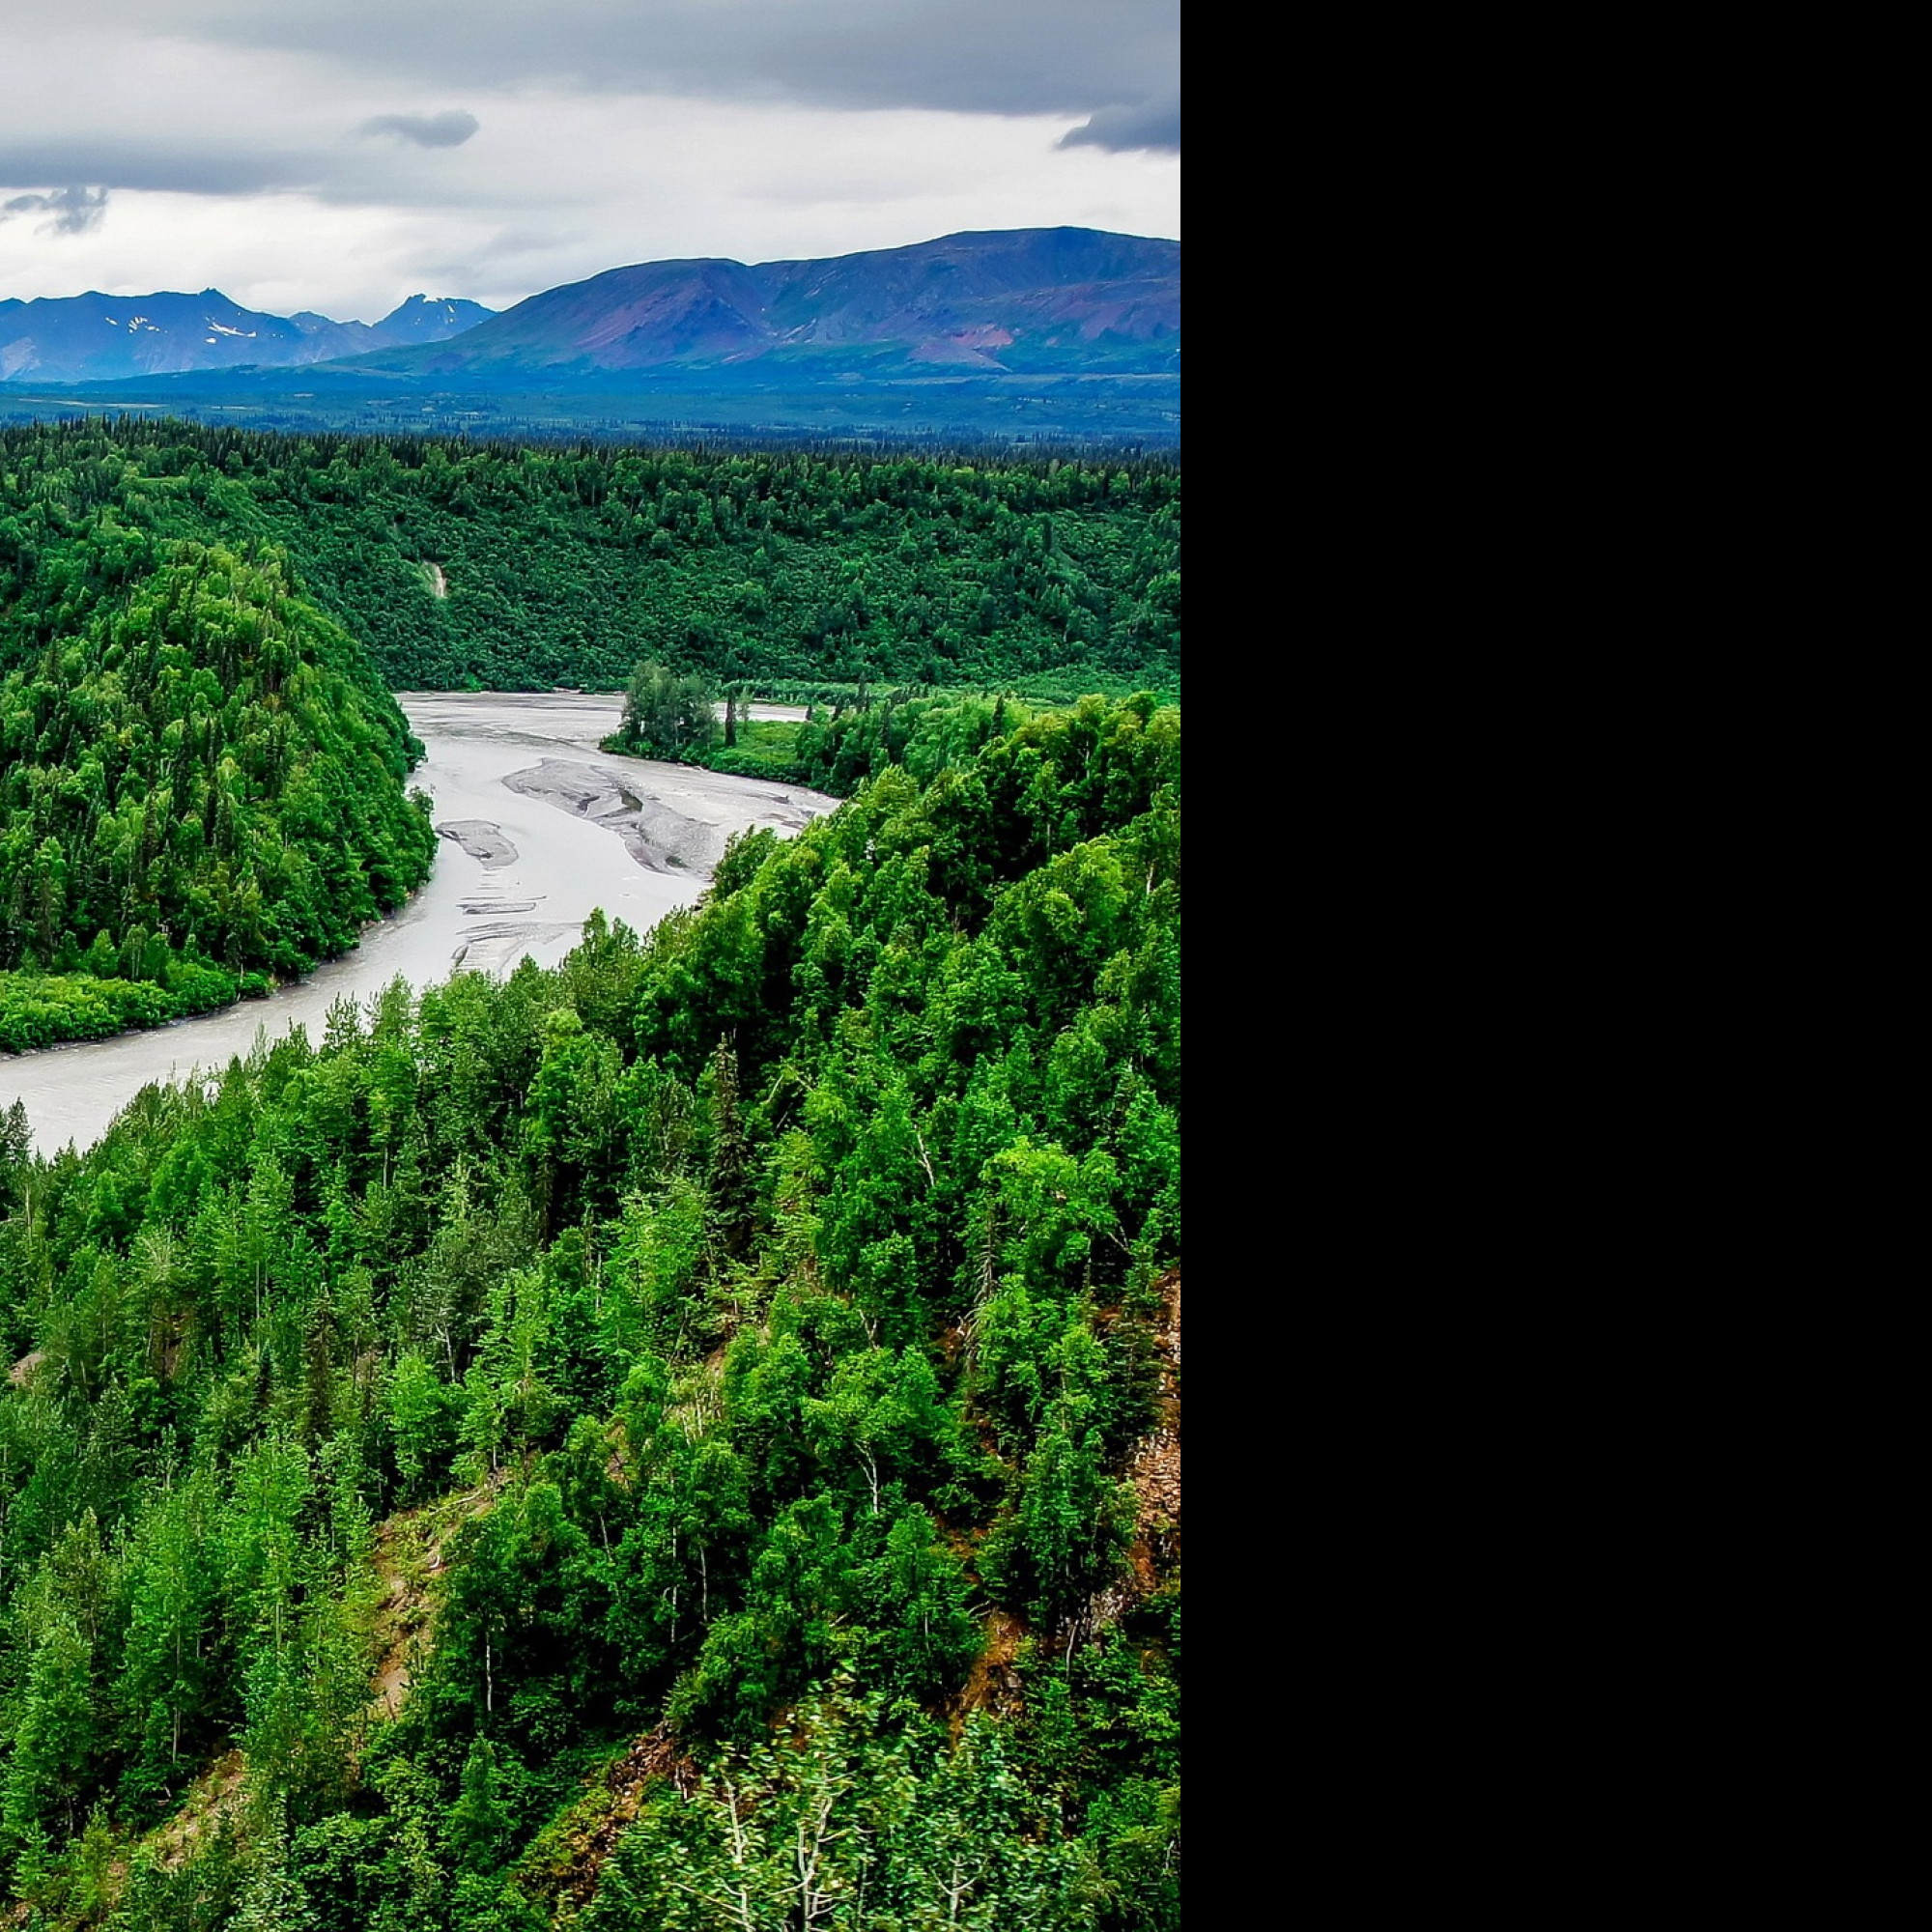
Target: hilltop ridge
<point>998,302</point>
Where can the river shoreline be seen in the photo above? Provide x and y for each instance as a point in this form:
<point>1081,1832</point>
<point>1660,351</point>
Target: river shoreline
<point>559,859</point>
<point>9,1059</point>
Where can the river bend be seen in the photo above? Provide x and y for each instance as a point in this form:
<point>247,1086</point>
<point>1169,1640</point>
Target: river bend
<point>539,828</point>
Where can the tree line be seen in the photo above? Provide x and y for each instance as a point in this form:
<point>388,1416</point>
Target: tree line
<point>466,565</point>
<point>676,718</point>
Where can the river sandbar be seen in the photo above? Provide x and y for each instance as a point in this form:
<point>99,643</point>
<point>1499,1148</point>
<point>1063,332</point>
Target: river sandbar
<point>482,840</point>
<point>466,915</point>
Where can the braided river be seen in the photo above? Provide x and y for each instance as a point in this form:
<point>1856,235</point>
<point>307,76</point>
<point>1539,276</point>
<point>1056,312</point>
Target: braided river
<point>539,828</point>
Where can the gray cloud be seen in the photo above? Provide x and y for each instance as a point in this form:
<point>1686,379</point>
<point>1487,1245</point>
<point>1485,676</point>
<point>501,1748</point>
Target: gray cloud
<point>180,165</point>
<point>226,132</point>
<point>1154,124</point>
<point>73,210</point>
<point>1109,63</point>
<point>965,56</point>
<point>426,131</point>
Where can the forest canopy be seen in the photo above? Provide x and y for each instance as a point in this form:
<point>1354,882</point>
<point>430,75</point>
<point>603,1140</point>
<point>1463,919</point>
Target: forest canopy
<point>667,716</point>
<point>674,1440</point>
<point>461,565</point>
<point>201,781</point>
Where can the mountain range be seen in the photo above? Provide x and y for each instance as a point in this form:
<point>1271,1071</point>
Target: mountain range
<point>1013,302</point>
<point>1010,302</point>
<point>97,338</point>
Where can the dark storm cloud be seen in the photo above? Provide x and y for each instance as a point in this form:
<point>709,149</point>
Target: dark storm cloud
<point>969,56</point>
<point>426,131</point>
<point>1156,124</point>
<point>73,210</point>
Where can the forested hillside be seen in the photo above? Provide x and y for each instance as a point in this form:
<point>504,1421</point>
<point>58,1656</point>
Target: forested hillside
<point>835,754</point>
<point>495,567</point>
<point>200,781</point>
<point>683,1441</point>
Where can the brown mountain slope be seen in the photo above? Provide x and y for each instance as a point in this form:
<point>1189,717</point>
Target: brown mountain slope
<point>1061,299</point>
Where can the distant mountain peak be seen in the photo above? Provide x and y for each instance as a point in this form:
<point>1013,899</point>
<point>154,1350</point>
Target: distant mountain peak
<point>426,318</point>
<point>92,337</point>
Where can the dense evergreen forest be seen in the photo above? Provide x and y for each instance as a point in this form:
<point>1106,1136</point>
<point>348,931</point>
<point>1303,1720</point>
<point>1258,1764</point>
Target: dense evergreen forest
<point>688,1439</point>
<point>665,717</point>
<point>497,567</point>
<point>201,785</point>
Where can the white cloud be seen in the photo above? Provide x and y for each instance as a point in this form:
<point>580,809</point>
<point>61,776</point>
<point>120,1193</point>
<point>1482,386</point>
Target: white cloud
<point>247,169</point>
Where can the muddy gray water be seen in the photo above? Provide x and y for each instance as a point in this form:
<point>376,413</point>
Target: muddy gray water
<point>521,865</point>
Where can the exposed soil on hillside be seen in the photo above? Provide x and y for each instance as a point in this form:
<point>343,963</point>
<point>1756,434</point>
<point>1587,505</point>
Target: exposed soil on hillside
<point>993,1683</point>
<point>563,1866</point>
<point>212,1796</point>
<point>1154,1472</point>
<point>409,1565</point>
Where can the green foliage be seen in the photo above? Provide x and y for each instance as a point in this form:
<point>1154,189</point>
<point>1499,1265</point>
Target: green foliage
<point>196,769</point>
<point>863,1819</point>
<point>665,716</point>
<point>619,1353</point>
<point>43,1009</point>
<point>569,565</point>
<point>16,1149</point>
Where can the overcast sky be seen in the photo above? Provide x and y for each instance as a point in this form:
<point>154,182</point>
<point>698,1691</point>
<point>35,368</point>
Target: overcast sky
<point>343,155</point>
